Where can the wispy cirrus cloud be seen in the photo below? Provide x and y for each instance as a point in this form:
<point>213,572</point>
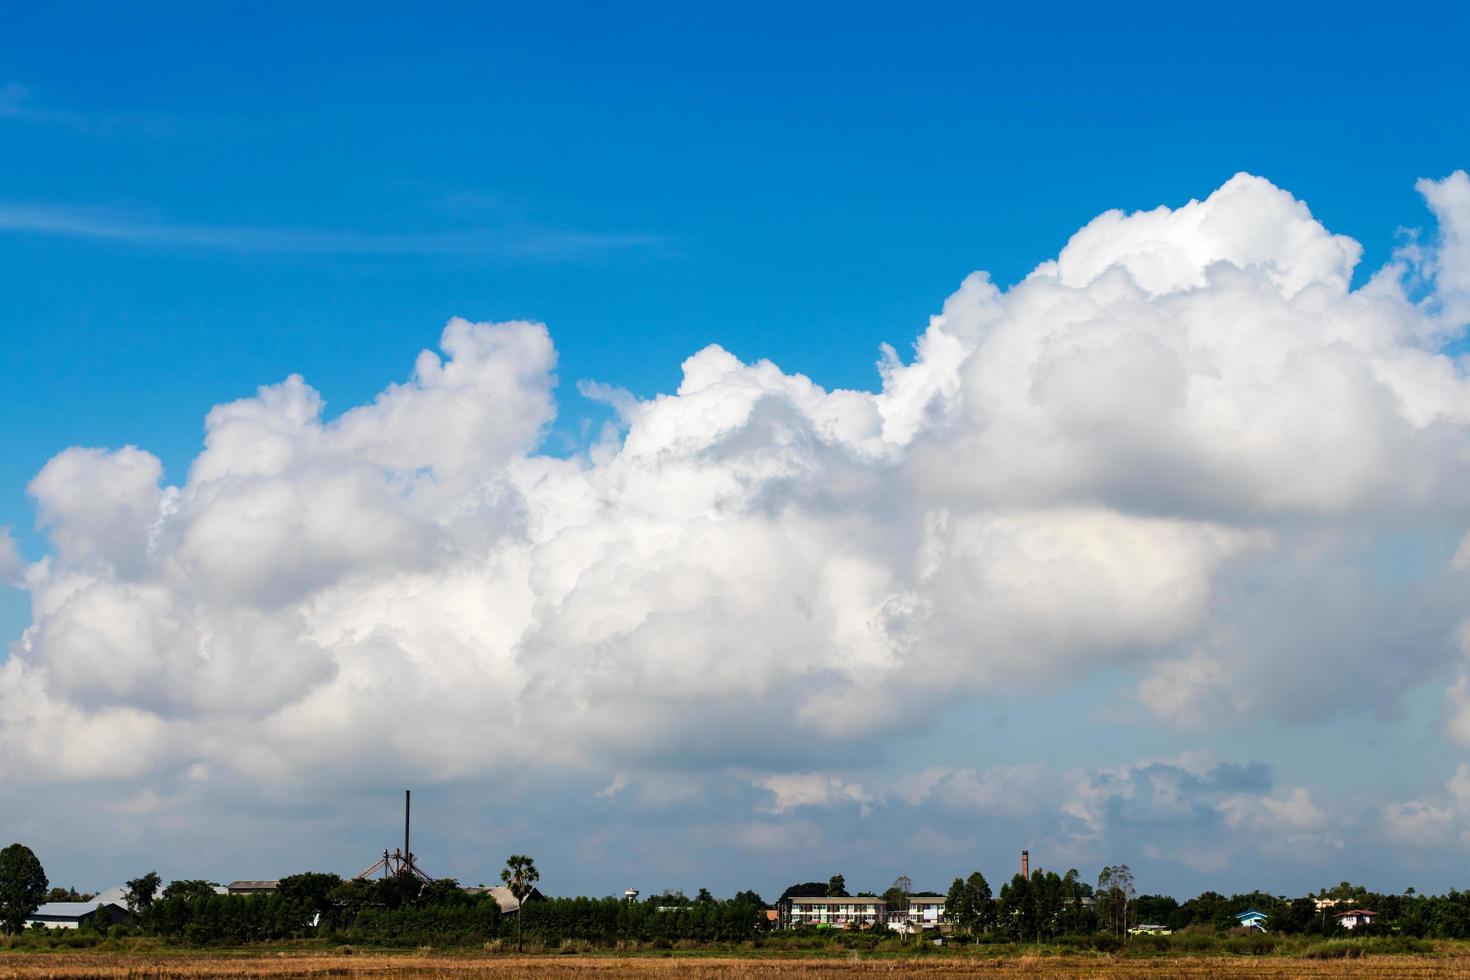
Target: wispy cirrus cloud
<point>110,225</point>
<point>15,103</point>
<point>19,104</point>
<point>506,232</point>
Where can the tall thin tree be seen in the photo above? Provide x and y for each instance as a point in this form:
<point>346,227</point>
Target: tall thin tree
<point>520,876</point>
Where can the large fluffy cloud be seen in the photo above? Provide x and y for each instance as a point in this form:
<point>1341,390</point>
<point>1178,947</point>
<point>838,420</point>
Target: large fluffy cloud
<point>1151,454</point>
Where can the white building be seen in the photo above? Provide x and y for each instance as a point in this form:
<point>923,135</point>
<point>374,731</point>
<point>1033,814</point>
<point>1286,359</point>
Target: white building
<point>834,913</point>
<point>1353,918</point>
<point>924,912</point>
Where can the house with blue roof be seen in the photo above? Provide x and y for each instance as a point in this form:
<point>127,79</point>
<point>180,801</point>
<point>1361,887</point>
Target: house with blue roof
<point>1251,919</point>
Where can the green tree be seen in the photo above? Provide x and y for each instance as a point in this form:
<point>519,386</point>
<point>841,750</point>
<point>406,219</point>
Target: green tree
<point>957,906</point>
<point>1050,897</point>
<point>443,891</point>
<point>704,898</point>
<point>968,904</point>
<point>190,889</point>
<point>313,887</point>
<point>1298,915</point>
<point>1076,917</point>
<point>520,876</point>
<point>1159,909</point>
<point>397,890</point>
<point>1018,908</point>
<point>1115,894</point>
<point>675,899</point>
<point>68,895</point>
<point>349,898</point>
<point>22,886</point>
<point>897,895</point>
<point>837,887</point>
<point>141,892</point>
<point>749,898</point>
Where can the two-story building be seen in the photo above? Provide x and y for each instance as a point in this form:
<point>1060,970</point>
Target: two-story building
<point>832,912</point>
<point>924,912</point>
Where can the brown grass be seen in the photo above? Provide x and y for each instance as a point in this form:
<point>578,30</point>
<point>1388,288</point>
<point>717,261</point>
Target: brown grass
<point>66,966</point>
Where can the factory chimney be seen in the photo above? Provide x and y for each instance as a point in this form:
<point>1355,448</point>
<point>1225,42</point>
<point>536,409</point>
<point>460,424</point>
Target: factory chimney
<point>1025,864</point>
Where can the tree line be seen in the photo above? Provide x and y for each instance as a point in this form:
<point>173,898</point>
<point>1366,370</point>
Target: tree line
<point>402,909</point>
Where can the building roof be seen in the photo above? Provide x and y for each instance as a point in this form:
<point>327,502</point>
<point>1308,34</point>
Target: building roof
<point>926,899</point>
<point>1358,912</point>
<point>1251,914</point>
<point>116,895</point>
<point>67,910</point>
<point>503,896</point>
<point>256,883</point>
<point>839,899</point>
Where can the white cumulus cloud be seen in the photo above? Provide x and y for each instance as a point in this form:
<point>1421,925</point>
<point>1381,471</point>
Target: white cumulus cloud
<point>1147,455</point>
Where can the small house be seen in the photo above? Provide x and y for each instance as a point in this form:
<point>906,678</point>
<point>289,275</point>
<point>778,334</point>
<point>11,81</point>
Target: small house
<point>1353,918</point>
<point>1150,929</point>
<point>1252,919</point>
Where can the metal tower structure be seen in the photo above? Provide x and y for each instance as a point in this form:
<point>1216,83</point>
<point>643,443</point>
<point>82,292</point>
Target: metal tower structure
<point>399,863</point>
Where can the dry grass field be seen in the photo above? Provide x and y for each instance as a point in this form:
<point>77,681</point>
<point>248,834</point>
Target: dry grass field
<point>66,966</point>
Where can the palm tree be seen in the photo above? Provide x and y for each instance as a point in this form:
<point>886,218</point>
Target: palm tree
<point>520,876</point>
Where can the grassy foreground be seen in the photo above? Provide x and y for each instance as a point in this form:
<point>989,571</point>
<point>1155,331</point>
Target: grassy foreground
<point>168,965</point>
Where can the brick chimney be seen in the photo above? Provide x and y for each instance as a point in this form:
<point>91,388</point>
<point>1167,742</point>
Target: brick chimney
<point>1025,864</point>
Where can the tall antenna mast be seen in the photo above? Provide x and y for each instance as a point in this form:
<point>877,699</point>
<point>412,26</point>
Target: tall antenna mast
<point>399,863</point>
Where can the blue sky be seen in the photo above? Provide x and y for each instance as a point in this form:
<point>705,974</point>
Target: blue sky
<point>196,202</point>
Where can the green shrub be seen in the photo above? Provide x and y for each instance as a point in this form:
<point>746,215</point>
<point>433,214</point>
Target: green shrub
<point>1356,948</point>
<point>1194,942</point>
<point>1253,944</point>
<point>1148,945</point>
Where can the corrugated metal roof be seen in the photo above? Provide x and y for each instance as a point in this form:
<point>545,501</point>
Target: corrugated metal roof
<point>118,894</point>
<point>504,897</point>
<point>65,909</point>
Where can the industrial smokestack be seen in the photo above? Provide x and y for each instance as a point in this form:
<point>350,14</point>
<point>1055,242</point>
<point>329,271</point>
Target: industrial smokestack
<point>1025,864</point>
